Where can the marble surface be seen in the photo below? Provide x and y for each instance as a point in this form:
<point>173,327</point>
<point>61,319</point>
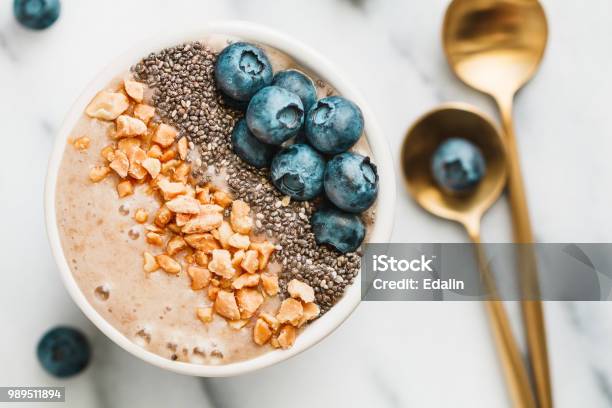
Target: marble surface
<point>387,354</point>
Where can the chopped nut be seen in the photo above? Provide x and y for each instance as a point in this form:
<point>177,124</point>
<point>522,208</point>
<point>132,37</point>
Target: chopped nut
<point>202,242</point>
<point>212,292</point>
<point>182,147</point>
<point>249,301</point>
<point>203,194</point>
<point>239,241</point>
<point>250,263</point>
<point>154,238</point>
<point>134,89</point>
<point>168,156</point>
<point>144,112</point>
<point>125,188</point>
<point>225,305</point>
<point>240,218</point>
<point>271,320</point>
<point>237,324</point>
<point>108,153</point>
<point>301,290</point>
<point>128,126</point>
<point>184,204</point>
<point>107,105</point>
<point>175,245</point>
<point>127,144</point>
<point>181,173</point>
<point>120,163</point>
<point>222,198</point>
<point>136,156</point>
<point>270,284</point>
<point>201,258</point>
<point>311,310</point>
<point>261,332</point>
<point>98,173</point>
<point>225,232</point>
<point>203,223</point>
<point>163,217</point>
<point>205,314</point>
<point>141,216</point>
<point>265,250</point>
<point>82,143</point>
<point>290,311</point>
<point>210,208</point>
<point>237,258</point>
<point>149,263</point>
<point>200,277</point>
<point>274,342</point>
<point>174,228</point>
<point>246,280</point>
<point>152,166</point>
<point>164,135</point>
<point>169,189</point>
<point>168,264</point>
<point>221,263</point>
<point>155,152</point>
<point>286,338</point>
<point>181,219</point>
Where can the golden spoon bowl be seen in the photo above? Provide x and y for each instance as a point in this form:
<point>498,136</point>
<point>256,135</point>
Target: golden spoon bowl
<point>495,46</point>
<point>422,139</point>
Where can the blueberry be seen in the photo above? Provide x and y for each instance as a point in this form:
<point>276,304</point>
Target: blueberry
<point>351,182</point>
<point>298,172</point>
<point>63,351</point>
<point>36,14</point>
<point>241,70</point>
<point>298,83</point>
<point>333,125</point>
<point>275,115</point>
<point>341,230</point>
<point>457,165</point>
<point>249,148</point>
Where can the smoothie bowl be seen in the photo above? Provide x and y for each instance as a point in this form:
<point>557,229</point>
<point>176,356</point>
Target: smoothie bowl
<point>208,196</point>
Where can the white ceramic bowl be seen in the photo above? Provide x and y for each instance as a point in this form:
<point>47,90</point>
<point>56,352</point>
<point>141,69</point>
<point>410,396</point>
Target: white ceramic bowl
<point>308,58</point>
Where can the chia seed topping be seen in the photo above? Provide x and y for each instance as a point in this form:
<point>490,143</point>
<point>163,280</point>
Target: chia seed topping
<point>185,96</point>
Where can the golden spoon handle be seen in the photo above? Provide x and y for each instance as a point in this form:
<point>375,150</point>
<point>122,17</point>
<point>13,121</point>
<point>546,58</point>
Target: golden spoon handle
<point>513,365</point>
<point>533,315</point>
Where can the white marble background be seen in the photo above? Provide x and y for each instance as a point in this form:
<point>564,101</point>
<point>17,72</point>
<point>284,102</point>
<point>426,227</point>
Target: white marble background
<point>386,355</point>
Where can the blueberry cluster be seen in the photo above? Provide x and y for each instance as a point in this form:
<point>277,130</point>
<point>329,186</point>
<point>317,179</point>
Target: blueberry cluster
<point>303,141</point>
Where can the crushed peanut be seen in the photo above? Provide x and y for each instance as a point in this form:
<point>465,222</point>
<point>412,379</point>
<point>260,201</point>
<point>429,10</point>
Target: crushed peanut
<point>82,143</point>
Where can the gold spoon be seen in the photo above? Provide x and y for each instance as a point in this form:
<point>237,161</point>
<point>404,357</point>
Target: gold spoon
<point>495,46</point>
<point>460,120</point>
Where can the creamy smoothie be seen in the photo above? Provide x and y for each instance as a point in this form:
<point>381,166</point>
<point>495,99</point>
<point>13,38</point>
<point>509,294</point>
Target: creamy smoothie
<point>186,250</point>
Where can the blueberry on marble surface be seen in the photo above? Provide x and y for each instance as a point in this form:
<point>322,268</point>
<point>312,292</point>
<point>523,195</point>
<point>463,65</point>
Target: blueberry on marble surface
<point>333,125</point>
<point>249,148</point>
<point>351,182</point>
<point>298,172</point>
<point>298,83</point>
<point>341,230</point>
<point>63,351</point>
<point>275,115</point>
<point>36,14</point>
<point>241,70</point>
<point>458,165</point>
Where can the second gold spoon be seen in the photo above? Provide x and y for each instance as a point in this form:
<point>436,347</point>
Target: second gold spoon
<point>460,120</point>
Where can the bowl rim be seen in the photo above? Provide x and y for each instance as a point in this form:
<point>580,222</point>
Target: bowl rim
<point>303,55</point>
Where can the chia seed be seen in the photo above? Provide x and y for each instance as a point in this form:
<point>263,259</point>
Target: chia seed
<point>185,95</point>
